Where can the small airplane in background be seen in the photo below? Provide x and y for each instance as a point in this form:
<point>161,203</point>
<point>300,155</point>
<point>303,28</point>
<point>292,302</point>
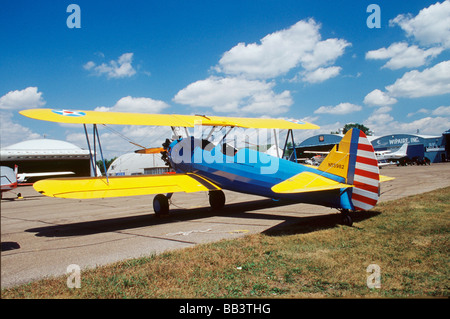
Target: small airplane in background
<point>386,158</point>
<point>8,179</point>
<point>23,177</point>
<point>11,179</point>
<point>347,179</point>
<point>389,155</point>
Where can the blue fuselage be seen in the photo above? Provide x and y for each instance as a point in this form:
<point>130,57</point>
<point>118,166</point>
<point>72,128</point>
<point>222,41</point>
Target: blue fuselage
<point>248,171</point>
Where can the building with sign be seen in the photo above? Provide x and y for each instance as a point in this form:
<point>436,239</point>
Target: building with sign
<point>434,148</point>
<point>431,147</point>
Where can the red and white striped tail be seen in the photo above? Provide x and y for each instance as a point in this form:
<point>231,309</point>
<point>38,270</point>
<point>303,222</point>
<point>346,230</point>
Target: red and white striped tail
<point>366,179</point>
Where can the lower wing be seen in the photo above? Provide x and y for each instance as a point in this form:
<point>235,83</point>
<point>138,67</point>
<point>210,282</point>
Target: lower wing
<point>100,187</point>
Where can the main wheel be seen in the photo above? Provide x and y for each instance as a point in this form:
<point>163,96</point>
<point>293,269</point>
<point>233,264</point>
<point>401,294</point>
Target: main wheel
<point>216,199</point>
<point>161,205</point>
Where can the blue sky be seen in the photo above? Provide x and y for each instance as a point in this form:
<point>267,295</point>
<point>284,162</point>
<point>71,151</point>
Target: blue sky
<point>313,60</point>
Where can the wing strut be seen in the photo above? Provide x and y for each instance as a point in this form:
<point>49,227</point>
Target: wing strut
<point>293,145</point>
<point>276,142</point>
<point>93,157</point>
<point>90,152</point>
<point>101,152</point>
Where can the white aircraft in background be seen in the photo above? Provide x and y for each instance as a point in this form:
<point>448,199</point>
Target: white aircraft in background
<point>22,177</point>
<point>10,178</point>
<point>386,157</point>
<point>389,155</point>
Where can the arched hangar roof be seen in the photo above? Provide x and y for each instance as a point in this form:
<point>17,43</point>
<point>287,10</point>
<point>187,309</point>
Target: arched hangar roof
<point>41,149</point>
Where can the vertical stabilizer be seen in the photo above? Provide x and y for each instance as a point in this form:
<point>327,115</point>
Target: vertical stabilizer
<point>354,159</point>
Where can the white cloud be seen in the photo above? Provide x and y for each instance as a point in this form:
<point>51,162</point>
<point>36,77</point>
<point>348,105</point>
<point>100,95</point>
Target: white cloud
<point>281,51</point>
<point>277,54</point>
<point>342,108</point>
<point>244,72</point>
<point>321,74</point>
<point>135,105</point>
<point>267,102</point>
<point>324,53</point>
<point>439,111</point>
<point>383,123</point>
<point>429,82</point>
<point>378,122</point>
<point>21,99</point>
<point>114,69</point>
<point>426,125</point>
<point>383,109</point>
<point>442,111</point>
<point>89,65</point>
<point>11,132</point>
<point>430,27</point>
<point>378,98</point>
<point>421,111</point>
<point>401,55</point>
<point>234,94</point>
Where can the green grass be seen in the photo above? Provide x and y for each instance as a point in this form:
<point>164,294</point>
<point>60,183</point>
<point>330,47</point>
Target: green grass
<point>407,238</point>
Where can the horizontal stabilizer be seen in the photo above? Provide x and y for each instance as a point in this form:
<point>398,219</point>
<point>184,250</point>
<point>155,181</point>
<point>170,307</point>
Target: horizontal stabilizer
<point>384,178</point>
<point>307,182</point>
<point>100,187</point>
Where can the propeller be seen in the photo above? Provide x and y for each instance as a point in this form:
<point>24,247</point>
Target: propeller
<point>164,155</point>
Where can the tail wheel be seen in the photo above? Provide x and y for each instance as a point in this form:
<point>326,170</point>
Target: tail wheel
<point>216,199</point>
<point>346,218</point>
<point>161,205</point>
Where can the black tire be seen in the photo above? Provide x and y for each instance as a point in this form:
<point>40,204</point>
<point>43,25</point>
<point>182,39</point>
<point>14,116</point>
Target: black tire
<point>216,199</point>
<point>347,220</point>
<point>161,205</point>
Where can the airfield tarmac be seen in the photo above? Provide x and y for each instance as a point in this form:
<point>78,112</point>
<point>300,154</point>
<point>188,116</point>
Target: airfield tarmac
<point>42,236</point>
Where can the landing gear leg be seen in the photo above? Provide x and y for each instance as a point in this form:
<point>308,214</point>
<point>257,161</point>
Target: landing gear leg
<point>216,199</point>
<point>161,205</point>
<point>346,218</point>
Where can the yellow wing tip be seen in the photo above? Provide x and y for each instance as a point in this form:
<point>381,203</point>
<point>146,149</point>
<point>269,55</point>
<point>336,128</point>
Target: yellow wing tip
<point>386,178</point>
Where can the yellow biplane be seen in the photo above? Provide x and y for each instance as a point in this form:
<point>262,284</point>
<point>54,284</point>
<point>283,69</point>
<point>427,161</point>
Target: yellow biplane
<point>347,179</point>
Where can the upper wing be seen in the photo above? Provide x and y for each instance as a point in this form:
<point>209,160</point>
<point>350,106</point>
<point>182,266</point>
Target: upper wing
<point>247,122</point>
<point>307,182</point>
<point>119,118</point>
<point>99,187</point>
<point>96,117</point>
